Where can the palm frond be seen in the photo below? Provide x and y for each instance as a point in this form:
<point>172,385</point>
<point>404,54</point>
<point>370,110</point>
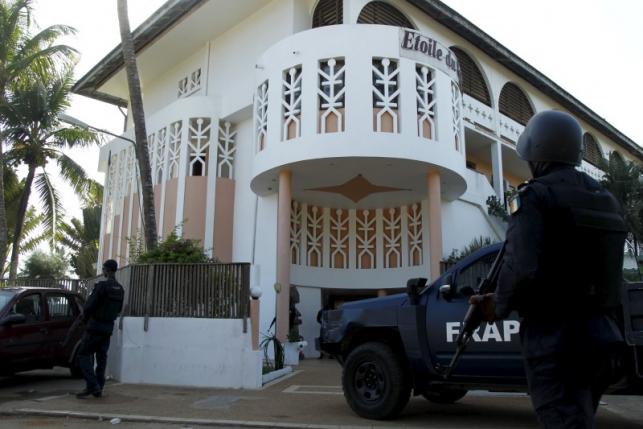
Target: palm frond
<point>74,174</point>
<point>50,200</point>
<point>75,137</point>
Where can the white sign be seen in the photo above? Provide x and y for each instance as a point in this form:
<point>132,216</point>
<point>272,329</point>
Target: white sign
<point>492,332</point>
<point>424,49</point>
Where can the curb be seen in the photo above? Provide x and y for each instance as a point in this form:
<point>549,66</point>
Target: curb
<point>176,420</point>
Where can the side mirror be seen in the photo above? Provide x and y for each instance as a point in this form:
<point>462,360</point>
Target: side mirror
<point>446,292</point>
<point>413,287</point>
<point>13,319</point>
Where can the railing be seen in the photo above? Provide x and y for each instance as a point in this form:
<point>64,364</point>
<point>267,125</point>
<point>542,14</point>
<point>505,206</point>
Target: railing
<point>74,285</point>
<point>220,291</point>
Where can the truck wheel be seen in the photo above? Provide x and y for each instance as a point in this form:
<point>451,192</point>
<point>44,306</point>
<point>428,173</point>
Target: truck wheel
<point>376,385</point>
<point>444,395</point>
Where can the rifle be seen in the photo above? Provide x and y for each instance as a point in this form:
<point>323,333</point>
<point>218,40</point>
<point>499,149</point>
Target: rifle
<point>473,318</point>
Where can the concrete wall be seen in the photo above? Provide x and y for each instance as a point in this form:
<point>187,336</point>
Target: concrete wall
<point>185,352</point>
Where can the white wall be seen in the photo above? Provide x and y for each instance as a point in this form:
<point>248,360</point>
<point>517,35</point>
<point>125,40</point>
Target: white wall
<point>309,304</point>
<point>185,352</point>
<point>234,54</point>
<point>265,270</point>
<point>164,90</point>
<point>244,198</point>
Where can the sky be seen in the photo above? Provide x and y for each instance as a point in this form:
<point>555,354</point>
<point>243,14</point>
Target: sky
<point>591,48</point>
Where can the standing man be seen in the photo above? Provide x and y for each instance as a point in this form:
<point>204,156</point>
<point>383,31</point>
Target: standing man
<point>101,310</point>
<point>562,272</point>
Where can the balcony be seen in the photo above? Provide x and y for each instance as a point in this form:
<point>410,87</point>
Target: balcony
<point>340,103</point>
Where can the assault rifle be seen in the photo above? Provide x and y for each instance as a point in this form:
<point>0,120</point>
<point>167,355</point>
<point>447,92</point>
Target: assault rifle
<point>473,318</point>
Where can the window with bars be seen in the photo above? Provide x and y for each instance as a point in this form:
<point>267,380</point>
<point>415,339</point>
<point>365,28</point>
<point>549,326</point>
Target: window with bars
<point>591,150</point>
<point>378,12</point>
<point>328,12</point>
<point>471,80</point>
<point>514,104</point>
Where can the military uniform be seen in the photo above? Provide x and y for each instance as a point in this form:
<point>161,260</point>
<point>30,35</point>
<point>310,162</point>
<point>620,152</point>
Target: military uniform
<point>101,310</point>
<point>562,272</point>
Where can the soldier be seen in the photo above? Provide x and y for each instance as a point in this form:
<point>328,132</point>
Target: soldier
<point>100,312</point>
<point>562,272</point>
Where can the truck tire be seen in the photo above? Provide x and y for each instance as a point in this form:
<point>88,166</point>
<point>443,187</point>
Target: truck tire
<point>376,384</point>
<point>444,395</point>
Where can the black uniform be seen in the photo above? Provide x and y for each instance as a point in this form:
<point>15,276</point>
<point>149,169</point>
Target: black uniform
<point>562,273</point>
<point>100,312</point>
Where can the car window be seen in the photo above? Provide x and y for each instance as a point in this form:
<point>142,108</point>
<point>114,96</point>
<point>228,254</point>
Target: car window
<point>470,277</point>
<point>30,307</point>
<point>5,298</point>
<point>60,308</point>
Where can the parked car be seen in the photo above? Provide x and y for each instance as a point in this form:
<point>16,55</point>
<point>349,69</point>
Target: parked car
<point>35,329</point>
<point>393,346</point>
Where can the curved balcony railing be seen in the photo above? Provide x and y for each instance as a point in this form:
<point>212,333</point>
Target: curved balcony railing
<point>358,91</point>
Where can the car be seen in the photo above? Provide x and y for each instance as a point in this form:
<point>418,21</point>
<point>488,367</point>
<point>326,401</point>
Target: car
<point>37,329</point>
<point>393,346</point>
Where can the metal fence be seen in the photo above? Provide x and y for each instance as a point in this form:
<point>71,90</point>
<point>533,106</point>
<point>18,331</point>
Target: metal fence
<point>74,285</point>
<point>220,291</point>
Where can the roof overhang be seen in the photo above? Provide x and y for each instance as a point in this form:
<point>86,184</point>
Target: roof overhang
<point>172,12</point>
<point>468,31</point>
<point>152,28</point>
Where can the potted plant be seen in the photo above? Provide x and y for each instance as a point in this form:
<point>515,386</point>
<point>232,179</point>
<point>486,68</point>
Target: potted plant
<point>293,347</point>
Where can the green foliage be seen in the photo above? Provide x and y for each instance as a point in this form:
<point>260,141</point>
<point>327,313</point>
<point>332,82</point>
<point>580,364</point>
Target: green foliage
<point>476,244</point>
<point>278,348</point>
<point>31,237</point>
<point>38,138</point>
<point>497,209</point>
<point>41,265</point>
<point>293,334</point>
<point>82,238</point>
<point>623,179</point>
<point>171,249</point>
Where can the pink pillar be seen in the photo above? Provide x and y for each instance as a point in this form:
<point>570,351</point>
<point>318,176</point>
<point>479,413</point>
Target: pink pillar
<point>283,253</point>
<point>435,223</point>
<point>254,323</point>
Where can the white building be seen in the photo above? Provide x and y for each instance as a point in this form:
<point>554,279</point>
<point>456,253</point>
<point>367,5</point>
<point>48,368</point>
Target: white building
<point>332,144</point>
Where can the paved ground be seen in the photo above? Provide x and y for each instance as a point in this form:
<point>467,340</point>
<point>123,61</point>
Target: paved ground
<point>311,396</point>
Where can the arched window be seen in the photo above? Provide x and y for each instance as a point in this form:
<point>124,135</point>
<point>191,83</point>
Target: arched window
<point>591,150</point>
<point>472,82</point>
<point>514,104</point>
<point>328,12</point>
<point>617,156</point>
<point>378,12</point>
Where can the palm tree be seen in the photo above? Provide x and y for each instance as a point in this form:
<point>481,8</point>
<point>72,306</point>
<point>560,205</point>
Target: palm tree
<point>31,234</point>
<point>38,137</point>
<point>81,237</point>
<point>138,115</point>
<point>22,55</point>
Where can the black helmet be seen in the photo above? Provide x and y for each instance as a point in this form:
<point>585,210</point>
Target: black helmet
<point>110,265</point>
<point>551,136</point>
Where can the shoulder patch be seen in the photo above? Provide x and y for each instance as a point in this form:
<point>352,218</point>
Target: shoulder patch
<point>514,204</point>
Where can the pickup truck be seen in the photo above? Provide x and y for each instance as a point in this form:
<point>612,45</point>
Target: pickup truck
<point>393,346</point>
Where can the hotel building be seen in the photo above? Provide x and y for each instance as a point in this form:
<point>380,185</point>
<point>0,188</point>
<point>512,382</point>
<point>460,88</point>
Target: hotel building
<point>340,146</point>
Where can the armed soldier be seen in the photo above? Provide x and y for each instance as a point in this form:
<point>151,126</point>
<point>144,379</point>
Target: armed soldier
<point>100,312</point>
<point>562,272</point>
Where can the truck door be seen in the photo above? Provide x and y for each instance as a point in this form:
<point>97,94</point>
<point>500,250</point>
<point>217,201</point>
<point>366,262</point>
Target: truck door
<point>495,349</point>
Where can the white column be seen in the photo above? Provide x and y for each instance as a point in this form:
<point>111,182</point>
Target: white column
<point>309,103</point>
<point>183,171</point>
<point>408,103</point>
<point>498,174</point>
<point>213,150</point>
<point>164,178</point>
